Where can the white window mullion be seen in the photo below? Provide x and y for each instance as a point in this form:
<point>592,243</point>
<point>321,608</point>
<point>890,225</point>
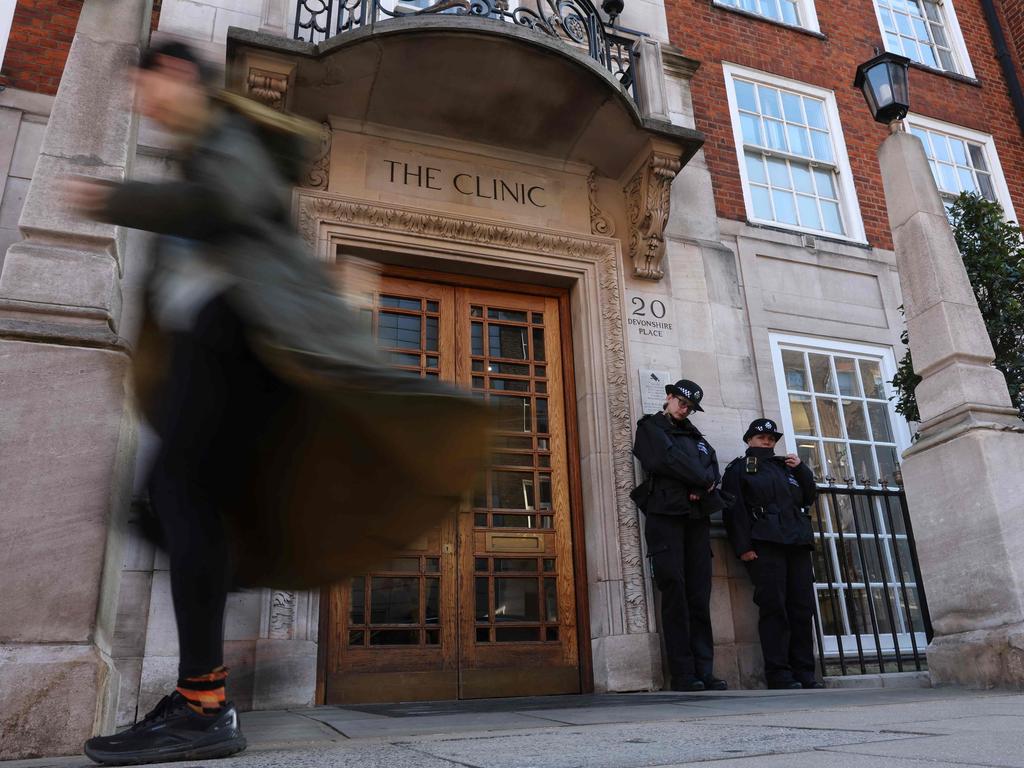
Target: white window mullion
<point>795,13</point>
<point>785,122</point>
<point>980,157</point>
<point>925,31</point>
<point>882,357</point>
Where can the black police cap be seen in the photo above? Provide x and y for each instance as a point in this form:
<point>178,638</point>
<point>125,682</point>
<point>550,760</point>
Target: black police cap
<point>687,389</point>
<point>762,427</point>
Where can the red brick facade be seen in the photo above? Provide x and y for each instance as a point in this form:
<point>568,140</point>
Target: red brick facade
<point>38,46</point>
<point>40,39</point>
<point>711,34</point>
<point>1013,21</point>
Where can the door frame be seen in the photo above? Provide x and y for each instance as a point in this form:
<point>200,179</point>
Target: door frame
<point>625,646</point>
<point>579,558</point>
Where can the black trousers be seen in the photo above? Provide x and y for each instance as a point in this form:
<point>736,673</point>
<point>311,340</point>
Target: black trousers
<point>680,552</point>
<point>215,397</point>
<point>783,578</point>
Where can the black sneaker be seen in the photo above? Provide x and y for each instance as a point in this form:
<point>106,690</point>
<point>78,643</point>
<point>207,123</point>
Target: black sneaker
<point>712,683</point>
<point>812,685</point>
<point>172,731</point>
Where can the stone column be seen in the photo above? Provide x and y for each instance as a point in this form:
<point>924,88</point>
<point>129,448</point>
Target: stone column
<point>66,436</point>
<point>965,474</point>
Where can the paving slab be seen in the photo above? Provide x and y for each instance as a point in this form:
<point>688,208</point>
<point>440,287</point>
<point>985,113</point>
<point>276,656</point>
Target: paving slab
<point>433,724</point>
<point>336,714</point>
<point>283,727</point>
<point>929,716</point>
<point>621,714</point>
<point>632,746</point>
<point>991,724</point>
<point>1004,751</point>
<point>817,759</point>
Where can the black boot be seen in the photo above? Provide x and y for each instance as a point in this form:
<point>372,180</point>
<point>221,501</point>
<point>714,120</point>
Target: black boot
<point>784,685</point>
<point>172,731</point>
<point>688,684</point>
<point>812,684</point>
<point>712,683</point>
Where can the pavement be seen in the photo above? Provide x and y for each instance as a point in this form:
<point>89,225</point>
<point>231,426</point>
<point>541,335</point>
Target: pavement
<point>866,728</point>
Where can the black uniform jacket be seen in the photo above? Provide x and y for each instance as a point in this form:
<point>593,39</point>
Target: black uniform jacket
<point>768,505</point>
<point>680,461</point>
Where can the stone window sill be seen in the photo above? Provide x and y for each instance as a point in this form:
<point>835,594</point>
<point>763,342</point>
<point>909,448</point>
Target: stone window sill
<point>808,237</point>
<point>946,73</point>
<point>766,20</point>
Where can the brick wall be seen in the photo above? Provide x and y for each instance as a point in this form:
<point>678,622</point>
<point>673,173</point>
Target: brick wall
<point>1013,22</point>
<point>711,34</point>
<point>38,46</point>
<point>40,39</point>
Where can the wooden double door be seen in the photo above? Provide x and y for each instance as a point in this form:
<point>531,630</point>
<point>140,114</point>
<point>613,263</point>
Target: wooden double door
<point>485,605</point>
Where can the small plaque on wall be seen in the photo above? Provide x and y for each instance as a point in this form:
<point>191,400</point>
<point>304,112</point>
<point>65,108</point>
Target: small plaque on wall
<point>652,389</point>
<point>650,319</point>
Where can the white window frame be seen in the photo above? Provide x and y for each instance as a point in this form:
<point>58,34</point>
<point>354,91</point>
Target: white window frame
<point>988,145</point>
<point>849,203</point>
<point>902,437</point>
<point>901,431</point>
<point>957,44</point>
<point>805,8</point>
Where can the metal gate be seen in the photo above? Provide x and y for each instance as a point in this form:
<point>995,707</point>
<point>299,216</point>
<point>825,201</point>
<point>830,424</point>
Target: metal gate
<point>872,613</point>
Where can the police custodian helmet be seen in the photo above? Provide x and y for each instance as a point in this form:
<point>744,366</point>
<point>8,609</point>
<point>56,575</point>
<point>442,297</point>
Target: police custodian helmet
<point>762,427</point>
<point>689,390</point>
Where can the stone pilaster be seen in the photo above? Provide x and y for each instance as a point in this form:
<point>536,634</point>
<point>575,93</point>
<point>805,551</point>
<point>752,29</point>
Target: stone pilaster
<point>66,435</point>
<point>275,17</point>
<point>965,474</point>
<point>651,80</point>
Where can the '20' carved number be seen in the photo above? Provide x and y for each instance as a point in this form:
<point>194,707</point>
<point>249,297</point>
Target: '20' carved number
<point>641,307</point>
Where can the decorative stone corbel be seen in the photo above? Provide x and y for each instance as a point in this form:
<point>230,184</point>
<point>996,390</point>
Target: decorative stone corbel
<point>270,88</point>
<point>647,206</point>
<point>319,173</point>
<point>600,223</point>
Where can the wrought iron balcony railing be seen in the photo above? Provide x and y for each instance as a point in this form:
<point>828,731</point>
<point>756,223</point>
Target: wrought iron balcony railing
<point>577,23</point>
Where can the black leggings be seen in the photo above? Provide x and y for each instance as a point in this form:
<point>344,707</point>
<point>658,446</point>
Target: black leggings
<point>215,398</point>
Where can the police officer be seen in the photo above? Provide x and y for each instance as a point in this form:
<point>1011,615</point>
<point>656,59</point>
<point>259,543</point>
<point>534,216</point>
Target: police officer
<point>681,490</point>
<point>770,532</point>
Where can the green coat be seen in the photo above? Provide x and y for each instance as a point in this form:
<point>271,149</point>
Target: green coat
<point>345,477</point>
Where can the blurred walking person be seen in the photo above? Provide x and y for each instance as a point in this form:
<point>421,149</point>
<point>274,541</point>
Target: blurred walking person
<point>770,531</point>
<point>281,432</point>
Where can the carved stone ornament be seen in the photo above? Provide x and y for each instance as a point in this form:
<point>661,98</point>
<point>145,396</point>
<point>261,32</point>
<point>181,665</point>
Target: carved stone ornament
<point>287,615</point>
<point>270,88</point>
<point>319,173</point>
<point>600,224</point>
<point>647,206</point>
<point>282,615</point>
<point>315,211</point>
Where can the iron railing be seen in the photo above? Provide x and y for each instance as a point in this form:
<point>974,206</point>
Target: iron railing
<point>575,22</point>
<point>872,613</point>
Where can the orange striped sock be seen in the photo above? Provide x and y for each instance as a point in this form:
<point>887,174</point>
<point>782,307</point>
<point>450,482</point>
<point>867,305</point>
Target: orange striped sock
<point>204,693</point>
